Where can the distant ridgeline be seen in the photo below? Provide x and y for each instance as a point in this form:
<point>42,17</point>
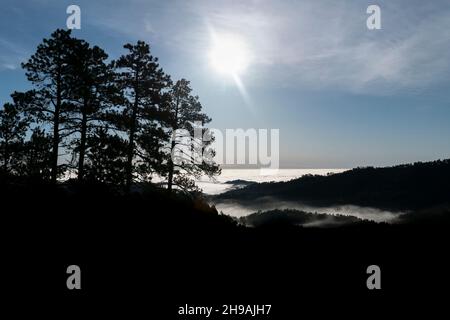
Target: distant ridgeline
<point>404,187</point>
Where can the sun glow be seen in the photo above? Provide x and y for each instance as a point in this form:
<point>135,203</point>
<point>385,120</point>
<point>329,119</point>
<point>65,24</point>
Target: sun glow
<point>229,54</point>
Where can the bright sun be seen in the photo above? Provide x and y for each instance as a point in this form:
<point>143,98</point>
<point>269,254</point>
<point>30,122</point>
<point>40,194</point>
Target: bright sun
<point>229,55</point>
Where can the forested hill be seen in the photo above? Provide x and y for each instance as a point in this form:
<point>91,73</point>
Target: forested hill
<point>402,187</point>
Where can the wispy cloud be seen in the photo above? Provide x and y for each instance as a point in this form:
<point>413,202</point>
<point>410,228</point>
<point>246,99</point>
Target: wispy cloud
<point>325,43</point>
<point>310,43</point>
<point>11,55</point>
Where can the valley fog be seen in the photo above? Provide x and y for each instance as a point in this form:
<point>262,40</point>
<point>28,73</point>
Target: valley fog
<point>240,210</point>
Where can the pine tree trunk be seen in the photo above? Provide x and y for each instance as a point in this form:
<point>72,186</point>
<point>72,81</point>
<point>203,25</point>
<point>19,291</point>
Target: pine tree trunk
<point>171,164</point>
<point>82,143</point>
<point>169,181</point>
<point>171,168</point>
<point>130,155</point>
<point>54,157</point>
<point>129,169</point>
<point>6,156</point>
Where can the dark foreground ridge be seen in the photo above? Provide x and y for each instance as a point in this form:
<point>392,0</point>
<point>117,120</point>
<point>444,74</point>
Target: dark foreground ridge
<point>165,250</point>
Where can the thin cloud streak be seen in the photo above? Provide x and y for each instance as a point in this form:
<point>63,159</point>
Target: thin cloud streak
<point>313,44</point>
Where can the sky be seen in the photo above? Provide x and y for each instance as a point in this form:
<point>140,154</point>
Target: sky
<point>340,94</point>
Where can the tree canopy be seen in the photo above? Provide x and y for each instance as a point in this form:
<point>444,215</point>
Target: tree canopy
<point>115,122</point>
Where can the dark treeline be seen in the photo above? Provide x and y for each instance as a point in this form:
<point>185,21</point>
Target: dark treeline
<point>295,218</point>
<point>113,122</point>
<point>405,187</point>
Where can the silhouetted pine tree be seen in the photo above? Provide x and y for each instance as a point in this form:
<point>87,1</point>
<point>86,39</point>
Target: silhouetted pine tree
<point>194,157</point>
<point>48,70</point>
<point>93,92</point>
<point>13,127</point>
<point>143,83</point>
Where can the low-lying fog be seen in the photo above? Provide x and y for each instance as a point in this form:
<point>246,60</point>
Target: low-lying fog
<point>239,210</point>
<point>225,182</point>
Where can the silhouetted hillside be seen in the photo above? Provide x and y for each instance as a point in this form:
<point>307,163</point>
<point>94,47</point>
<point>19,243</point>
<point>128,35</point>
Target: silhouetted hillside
<point>436,215</point>
<point>289,218</point>
<point>403,187</point>
<point>240,182</point>
<point>95,206</point>
<point>181,248</point>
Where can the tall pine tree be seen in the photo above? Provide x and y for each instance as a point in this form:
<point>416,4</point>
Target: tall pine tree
<point>49,102</point>
<point>143,83</point>
<point>93,92</point>
<point>192,157</point>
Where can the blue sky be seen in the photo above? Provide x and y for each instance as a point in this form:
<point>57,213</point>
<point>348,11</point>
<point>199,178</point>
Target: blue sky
<point>341,95</point>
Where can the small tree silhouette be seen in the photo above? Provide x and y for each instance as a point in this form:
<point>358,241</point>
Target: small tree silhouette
<point>13,127</point>
<point>184,113</point>
<point>36,160</point>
